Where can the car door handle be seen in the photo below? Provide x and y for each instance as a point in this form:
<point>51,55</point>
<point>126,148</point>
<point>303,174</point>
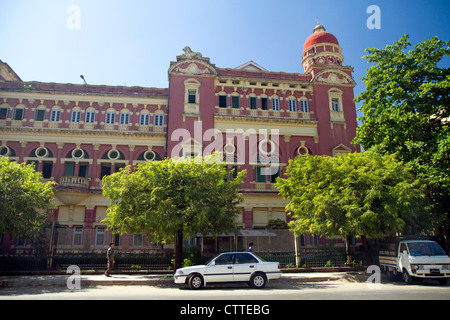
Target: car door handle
<point>252,266</point>
<point>230,267</point>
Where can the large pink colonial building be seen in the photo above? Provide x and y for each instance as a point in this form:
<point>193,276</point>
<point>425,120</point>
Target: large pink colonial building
<point>76,134</point>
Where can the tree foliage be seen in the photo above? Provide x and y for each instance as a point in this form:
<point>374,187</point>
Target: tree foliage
<point>172,199</point>
<point>406,110</point>
<point>357,194</point>
<point>24,198</point>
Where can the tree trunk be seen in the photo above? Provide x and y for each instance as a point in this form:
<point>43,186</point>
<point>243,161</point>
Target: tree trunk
<point>298,257</point>
<point>178,252</point>
<point>348,240</point>
<point>366,246</point>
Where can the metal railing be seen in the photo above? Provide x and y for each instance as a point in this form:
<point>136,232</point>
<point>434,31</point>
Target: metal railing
<point>144,261</point>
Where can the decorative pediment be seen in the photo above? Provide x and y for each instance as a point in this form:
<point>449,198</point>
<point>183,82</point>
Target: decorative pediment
<point>250,66</point>
<point>341,149</point>
<point>192,63</point>
<point>192,67</point>
<point>334,77</point>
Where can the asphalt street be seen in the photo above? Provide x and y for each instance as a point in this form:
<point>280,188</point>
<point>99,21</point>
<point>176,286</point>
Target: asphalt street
<point>284,289</point>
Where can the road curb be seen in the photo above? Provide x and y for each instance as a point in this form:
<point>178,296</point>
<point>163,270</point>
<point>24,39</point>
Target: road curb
<point>161,280</point>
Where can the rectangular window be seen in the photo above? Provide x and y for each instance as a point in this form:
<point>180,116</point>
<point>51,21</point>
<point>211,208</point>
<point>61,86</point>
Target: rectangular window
<point>117,239</point>
<point>90,117</point>
<point>273,176</point>
<point>47,168</point>
<point>335,105</point>
<point>304,105</point>
<point>259,176</point>
<point>292,105</point>
<point>55,115</point>
<point>192,96</point>
<point>105,170</point>
<point>61,236</point>
<point>69,170</point>
<point>235,102</point>
<point>77,236</point>
<point>3,113</point>
<point>76,116</point>
<point>253,103</point>
<point>119,166</point>
<point>84,170</point>
<point>144,119</point>
<point>39,115</point>
<point>275,104</point>
<point>100,235</point>
<point>110,118</point>
<point>21,241</point>
<point>124,118</point>
<point>18,114</point>
<point>159,120</point>
<point>264,104</point>
<point>223,101</point>
<point>138,240</point>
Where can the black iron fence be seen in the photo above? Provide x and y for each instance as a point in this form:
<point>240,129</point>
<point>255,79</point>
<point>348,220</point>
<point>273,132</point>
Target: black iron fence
<point>315,258</point>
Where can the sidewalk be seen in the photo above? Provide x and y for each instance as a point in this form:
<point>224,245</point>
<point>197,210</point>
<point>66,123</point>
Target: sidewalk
<point>159,280</point>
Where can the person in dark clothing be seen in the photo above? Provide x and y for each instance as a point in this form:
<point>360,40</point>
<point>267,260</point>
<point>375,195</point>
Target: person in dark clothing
<point>110,259</point>
<point>250,248</point>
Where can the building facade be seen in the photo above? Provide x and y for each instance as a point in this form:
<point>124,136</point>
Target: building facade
<point>258,119</point>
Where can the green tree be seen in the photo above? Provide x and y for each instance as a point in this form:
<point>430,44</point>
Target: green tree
<point>406,111</point>
<point>24,198</point>
<point>172,199</point>
<point>364,194</point>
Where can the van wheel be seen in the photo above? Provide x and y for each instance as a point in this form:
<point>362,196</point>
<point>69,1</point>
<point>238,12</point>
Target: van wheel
<point>258,281</point>
<point>195,282</point>
<point>407,278</point>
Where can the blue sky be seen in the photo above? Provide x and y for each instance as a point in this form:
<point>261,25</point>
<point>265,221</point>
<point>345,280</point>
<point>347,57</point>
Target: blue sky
<point>132,42</point>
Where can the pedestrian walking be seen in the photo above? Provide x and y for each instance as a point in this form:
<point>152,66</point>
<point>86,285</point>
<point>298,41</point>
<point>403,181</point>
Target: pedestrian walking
<point>250,248</point>
<point>110,259</point>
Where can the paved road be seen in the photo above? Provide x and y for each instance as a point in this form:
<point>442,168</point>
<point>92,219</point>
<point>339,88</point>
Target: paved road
<point>281,290</point>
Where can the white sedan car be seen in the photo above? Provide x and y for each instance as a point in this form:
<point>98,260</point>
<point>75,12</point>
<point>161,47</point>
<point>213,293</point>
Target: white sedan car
<point>230,267</point>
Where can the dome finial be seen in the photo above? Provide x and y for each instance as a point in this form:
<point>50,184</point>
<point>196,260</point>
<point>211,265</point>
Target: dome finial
<point>319,27</point>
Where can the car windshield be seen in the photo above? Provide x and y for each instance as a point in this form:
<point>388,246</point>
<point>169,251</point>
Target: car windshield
<point>425,249</point>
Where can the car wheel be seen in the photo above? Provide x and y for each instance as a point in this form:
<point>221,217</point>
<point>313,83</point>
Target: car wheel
<point>258,281</point>
<point>195,282</point>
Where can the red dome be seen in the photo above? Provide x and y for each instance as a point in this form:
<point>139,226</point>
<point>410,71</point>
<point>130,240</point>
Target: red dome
<point>320,37</point>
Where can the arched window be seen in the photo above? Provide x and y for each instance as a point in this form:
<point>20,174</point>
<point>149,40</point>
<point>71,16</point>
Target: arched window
<point>39,113</point>
<point>124,117</point>
<point>144,118</point>
<point>90,115</point>
<point>75,116</point>
<point>77,159</point>
<point>110,117</point>
<point>149,156</point>
<point>4,111</point>
<point>304,107</point>
<point>55,114</point>
<point>7,152</point>
<point>45,156</point>
<point>159,118</point>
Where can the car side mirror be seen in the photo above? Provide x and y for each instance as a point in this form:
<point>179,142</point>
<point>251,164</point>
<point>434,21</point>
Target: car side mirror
<point>213,264</point>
